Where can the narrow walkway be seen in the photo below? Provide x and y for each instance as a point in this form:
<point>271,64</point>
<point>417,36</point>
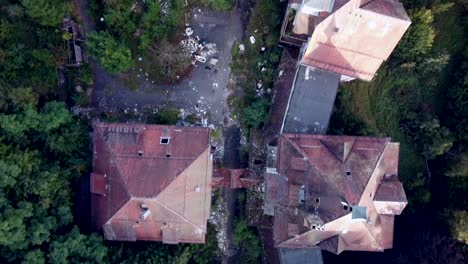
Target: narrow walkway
<point>231,160</point>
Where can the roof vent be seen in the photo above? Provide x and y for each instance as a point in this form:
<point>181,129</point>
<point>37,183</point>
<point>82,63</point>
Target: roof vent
<point>140,153</point>
<point>144,206</point>
<point>164,140</point>
<point>197,188</point>
<point>145,214</point>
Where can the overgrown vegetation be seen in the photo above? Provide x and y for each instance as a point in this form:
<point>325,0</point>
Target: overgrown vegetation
<point>254,65</point>
<point>218,5</point>
<point>246,238</point>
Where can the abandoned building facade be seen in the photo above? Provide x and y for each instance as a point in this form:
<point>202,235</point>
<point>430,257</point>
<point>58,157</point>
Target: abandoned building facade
<point>334,193</point>
<point>151,182</point>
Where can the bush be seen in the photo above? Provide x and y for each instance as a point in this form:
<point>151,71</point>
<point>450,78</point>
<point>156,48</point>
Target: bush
<point>113,56</point>
<point>165,117</point>
<point>247,241</point>
<point>219,5</point>
<point>256,115</point>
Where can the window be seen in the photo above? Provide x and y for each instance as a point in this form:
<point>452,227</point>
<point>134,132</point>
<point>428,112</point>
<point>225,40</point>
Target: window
<point>164,140</point>
<point>168,155</point>
<point>348,173</point>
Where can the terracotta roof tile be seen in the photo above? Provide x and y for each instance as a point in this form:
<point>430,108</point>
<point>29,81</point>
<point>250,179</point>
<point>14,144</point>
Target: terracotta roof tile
<point>336,194</point>
<point>152,184</point>
<point>357,37</point>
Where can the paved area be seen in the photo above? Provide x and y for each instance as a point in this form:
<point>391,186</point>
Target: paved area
<point>204,91</point>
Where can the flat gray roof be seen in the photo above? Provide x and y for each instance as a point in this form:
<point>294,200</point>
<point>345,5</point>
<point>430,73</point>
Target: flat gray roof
<point>311,103</point>
<point>301,256</point>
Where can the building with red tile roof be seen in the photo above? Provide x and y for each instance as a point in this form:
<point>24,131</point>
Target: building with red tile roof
<point>151,182</point>
<point>349,37</point>
<point>334,192</point>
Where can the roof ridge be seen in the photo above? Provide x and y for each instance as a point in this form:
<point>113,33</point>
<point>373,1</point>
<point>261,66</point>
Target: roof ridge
<point>322,142</point>
<point>178,175</point>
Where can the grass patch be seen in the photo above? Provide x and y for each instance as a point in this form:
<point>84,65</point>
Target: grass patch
<point>215,134</point>
<point>218,5</point>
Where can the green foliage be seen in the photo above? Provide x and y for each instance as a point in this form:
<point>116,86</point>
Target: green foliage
<point>457,103</point>
<point>158,24</point>
<point>257,64</point>
<point>247,241</point>
<point>219,5</point>
<point>459,166</point>
<point>256,114</point>
<point>164,117</point>
<point>458,225</point>
<point>418,40</point>
<point>77,248</point>
<point>111,55</point>
<point>42,150</point>
<point>121,18</point>
<point>29,52</point>
<point>46,12</point>
<point>432,139</point>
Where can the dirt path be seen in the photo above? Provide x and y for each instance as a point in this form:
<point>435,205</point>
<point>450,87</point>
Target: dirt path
<point>231,160</point>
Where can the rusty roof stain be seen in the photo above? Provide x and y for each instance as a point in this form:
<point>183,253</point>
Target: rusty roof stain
<point>357,37</point>
<point>153,190</point>
<point>320,179</point>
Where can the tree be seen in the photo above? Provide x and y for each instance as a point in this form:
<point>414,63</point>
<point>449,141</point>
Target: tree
<point>256,114</point>
<point>432,139</point>
<point>46,12</point>
<point>247,241</point>
<point>161,21</point>
<point>458,225</point>
<point>418,39</point>
<point>170,60</point>
<point>430,248</point>
<point>120,17</point>
<point>111,55</point>
<point>42,150</point>
<point>77,248</point>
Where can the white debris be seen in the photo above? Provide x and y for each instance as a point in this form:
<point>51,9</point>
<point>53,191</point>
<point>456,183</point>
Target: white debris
<point>102,19</point>
<point>200,58</point>
<point>213,61</point>
<point>215,84</point>
<point>241,48</point>
<point>263,49</point>
<point>188,31</point>
<point>140,58</point>
<point>252,39</point>
<point>263,69</point>
<point>280,73</point>
<point>259,85</point>
<point>189,45</point>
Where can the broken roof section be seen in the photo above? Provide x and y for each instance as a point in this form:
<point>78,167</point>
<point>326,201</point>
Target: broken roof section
<point>311,101</point>
<point>357,37</point>
<point>335,192</point>
<point>151,182</point>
